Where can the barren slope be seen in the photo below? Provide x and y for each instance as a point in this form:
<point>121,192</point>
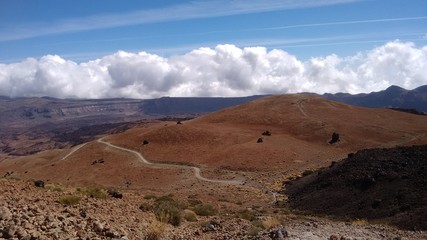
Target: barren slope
<point>301,126</point>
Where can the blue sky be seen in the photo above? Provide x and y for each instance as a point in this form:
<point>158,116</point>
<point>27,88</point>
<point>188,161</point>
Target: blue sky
<point>148,49</point>
<point>83,30</point>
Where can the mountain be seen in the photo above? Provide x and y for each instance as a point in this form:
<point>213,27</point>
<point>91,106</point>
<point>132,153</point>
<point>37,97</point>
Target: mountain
<point>301,126</point>
<point>47,123</point>
<point>392,97</point>
<point>171,105</point>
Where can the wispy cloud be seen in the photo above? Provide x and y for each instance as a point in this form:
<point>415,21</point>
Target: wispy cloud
<point>342,23</point>
<point>192,10</point>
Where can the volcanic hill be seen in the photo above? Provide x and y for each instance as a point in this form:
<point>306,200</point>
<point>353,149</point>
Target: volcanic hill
<point>301,126</point>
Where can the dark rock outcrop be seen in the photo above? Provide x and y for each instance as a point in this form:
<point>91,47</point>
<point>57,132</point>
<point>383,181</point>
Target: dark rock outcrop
<point>386,184</point>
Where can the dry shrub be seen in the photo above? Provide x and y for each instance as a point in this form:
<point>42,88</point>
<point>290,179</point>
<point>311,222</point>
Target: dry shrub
<point>69,200</point>
<point>190,216</point>
<point>156,231</point>
<point>360,222</point>
<point>271,222</point>
<point>204,210</point>
<point>95,192</point>
<point>168,210</point>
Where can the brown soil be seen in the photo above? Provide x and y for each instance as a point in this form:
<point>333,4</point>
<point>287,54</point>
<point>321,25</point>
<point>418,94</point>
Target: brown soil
<point>301,126</point>
<point>224,146</point>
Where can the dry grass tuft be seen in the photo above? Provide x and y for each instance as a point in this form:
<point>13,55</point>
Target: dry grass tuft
<point>189,215</point>
<point>156,231</point>
<point>360,222</point>
<point>271,222</point>
<point>69,200</point>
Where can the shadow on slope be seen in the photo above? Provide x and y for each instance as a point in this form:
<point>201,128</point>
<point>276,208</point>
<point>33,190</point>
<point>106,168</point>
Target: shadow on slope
<point>375,184</point>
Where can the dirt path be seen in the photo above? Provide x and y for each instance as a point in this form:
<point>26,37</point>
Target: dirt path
<point>73,151</point>
<point>301,107</point>
<point>196,170</point>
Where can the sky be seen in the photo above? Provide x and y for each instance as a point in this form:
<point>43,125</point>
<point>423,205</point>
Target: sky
<point>148,49</point>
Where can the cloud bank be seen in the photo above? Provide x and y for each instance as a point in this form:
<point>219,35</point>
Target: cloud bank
<point>225,70</point>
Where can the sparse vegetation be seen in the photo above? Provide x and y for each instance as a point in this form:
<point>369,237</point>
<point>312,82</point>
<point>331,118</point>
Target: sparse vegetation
<point>193,201</point>
<point>114,193</point>
<point>145,207</point>
<point>156,231</point>
<point>150,196</point>
<point>253,231</point>
<point>270,223</point>
<point>94,192</point>
<point>360,222</point>
<point>168,210</point>
<point>247,214</point>
<point>69,200</point>
<point>204,210</point>
<point>189,215</point>
<point>54,188</point>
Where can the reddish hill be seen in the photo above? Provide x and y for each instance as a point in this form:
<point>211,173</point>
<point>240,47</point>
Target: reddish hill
<point>301,126</point>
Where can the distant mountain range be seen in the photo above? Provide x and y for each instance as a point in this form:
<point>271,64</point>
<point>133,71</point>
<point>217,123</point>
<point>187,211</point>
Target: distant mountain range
<point>46,123</point>
<point>392,97</point>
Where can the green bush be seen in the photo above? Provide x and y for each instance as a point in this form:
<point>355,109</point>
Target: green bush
<point>145,207</point>
<point>168,210</point>
<point>204,210</point>
<point>149,196</point>
<point>69,200</point>
<point>246,214</point>
<point>190,216</point>
<point>194,201</point>
<point>95,193</point>
<point>254,230</point>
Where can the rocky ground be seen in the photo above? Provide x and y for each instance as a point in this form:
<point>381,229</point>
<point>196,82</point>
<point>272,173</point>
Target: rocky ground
<point>30,212</point>
<point>386,184</point>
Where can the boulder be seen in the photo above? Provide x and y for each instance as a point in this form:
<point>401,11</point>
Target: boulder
<point>39,183</point>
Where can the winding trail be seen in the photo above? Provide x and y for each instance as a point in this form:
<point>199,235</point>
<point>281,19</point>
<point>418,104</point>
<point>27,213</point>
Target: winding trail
<point>301,107</point>
<point>196,170</point>
<point>73,151</point>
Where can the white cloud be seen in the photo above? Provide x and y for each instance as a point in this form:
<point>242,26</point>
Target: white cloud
<point>225,70</point>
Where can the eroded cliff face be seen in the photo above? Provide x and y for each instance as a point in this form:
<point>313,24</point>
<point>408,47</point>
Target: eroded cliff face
<point>29,125</point>
<point>37,110</point>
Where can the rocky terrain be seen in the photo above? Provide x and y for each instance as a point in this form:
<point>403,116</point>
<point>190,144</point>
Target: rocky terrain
<point>204,178</point>
<point>30,212</point>
<point>388,185</point>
